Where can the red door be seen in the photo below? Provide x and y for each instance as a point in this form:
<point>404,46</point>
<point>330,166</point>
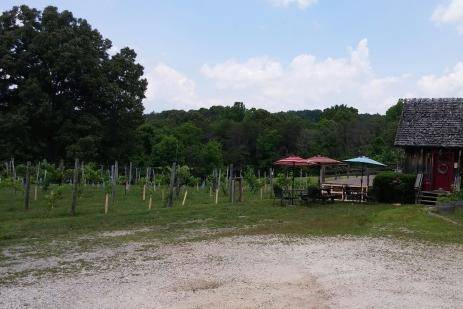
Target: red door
<point>443,171</point>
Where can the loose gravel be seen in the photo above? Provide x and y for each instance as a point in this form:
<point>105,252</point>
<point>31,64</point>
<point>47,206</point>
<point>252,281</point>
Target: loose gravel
<point>243,272</point>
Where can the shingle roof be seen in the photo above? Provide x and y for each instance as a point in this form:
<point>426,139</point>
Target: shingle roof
<point>431,123</point>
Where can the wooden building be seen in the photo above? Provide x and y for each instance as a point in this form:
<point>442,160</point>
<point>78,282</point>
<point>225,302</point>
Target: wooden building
<point>431,133</point>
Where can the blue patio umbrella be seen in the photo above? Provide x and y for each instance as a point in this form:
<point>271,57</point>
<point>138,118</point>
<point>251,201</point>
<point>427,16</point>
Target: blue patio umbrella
<point>363,161</point>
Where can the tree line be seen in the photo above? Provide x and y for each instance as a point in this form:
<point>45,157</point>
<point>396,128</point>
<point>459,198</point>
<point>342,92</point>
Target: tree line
<point>64,96</point>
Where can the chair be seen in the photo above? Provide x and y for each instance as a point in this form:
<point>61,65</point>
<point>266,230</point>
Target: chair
<point>282,195</point>
<point>352,195</point>
<point>326,193</point>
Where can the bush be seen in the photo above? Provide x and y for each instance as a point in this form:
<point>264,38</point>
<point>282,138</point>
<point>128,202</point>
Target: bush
<point>455,196</point>
<point>390,187</point>
<point>251,180</point>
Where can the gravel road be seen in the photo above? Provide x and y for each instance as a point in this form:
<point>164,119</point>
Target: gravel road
<point>244,272</point>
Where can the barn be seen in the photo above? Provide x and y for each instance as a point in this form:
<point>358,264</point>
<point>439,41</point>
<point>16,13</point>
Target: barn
<point>431,133</point>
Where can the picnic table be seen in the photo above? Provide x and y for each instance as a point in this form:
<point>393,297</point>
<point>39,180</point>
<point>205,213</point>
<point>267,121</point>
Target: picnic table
<point>326,192</point>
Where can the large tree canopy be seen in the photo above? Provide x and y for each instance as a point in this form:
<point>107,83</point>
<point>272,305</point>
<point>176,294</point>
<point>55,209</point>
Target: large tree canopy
<point>61,94</point>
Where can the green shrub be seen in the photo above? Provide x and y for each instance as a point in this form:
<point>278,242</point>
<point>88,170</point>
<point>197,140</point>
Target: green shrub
<point>390,187</point>
<point>456,196</point>
<point>251,180</point>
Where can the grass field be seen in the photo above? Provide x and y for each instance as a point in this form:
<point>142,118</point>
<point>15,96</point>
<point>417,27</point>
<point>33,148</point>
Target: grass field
<point>42,224</point>
<point>132,248</point>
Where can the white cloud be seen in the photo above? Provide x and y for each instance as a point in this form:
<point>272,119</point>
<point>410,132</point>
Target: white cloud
<point>306,82</point>
<point>449,13</point>
<point>449,85</point>
<point>302,4</point>
<point>169,89</point>
<point>234,74</point>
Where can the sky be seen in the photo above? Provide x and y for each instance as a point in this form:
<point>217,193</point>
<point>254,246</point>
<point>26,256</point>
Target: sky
<point>284,54</point>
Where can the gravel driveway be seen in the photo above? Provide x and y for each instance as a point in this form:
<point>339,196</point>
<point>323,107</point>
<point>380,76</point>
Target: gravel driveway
<point>246,272</point>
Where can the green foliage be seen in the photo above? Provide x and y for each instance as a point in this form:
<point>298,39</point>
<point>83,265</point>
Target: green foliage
<point>55,195</point>
<point>184,177</point>
<point>166,150</point>
<point>121,180</point>
<point>456,196</point>
<point>252,181</point>
<point>282,181</point>
<point>65,97</point>
<point>10,183</point>
<point>390,187</point>
<point>210,138</point>
<point>92,173</point>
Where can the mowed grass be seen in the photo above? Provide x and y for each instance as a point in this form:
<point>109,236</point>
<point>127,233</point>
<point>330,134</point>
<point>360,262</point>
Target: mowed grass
<point>41,223</point>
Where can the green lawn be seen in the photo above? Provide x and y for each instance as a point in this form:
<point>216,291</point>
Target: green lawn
<point>41,224</point>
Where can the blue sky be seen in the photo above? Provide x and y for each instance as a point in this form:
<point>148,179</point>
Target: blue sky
<point>284,54</point>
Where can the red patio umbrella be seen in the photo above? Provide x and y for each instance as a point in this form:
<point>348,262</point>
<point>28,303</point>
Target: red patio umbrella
<point>323,161</point>
<point>293,161</point>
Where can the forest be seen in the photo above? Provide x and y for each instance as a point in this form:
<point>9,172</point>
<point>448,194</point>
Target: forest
<point>64,96</point>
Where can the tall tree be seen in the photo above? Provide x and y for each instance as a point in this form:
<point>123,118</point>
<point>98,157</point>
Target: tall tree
<point>61,94</point>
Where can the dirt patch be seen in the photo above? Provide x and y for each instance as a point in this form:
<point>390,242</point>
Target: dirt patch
<point>250,272</point>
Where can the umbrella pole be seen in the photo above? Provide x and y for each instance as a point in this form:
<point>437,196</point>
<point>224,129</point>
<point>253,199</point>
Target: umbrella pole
<point>361,186</point>
<point>292,188</point>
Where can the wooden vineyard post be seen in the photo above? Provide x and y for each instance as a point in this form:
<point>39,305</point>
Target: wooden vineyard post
<point>144,191</point>
<point>261,193</point>
<point>52,203</point>
<point>154,181</point>
<point>83,173</point>
<point>184,197</point>
<point>113,181</point>
<point>37,178</point>
<point>13,169</point>
<point>240,183</point>
<point>130,176</point>
<point>230,183</point>
<point>170,198</point>
<point>265,181</point>
<point>150,202</point>
<point>13,174</point>
<point>7,168</point>
<point>218,187</point>
<point>27,188</point>
<point>106,203</point>
<point>271,181</point>
<point>74,187</point>
<point>111,176</point>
